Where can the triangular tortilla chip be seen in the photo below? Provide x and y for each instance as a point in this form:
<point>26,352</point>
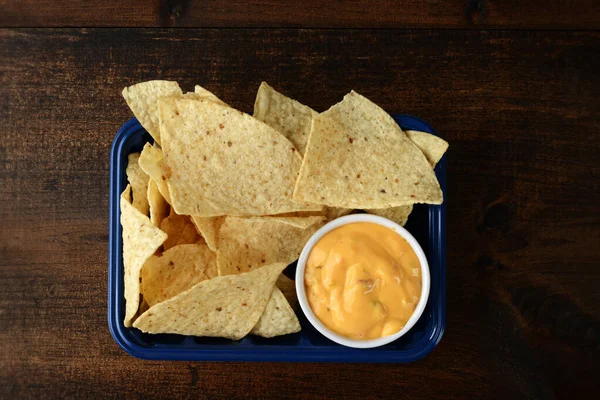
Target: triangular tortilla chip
<point>142,97</point>
<point>284,114</point>
<point>218,159</point>
<point>159,208</point>
<point>246,244</point>
<point>209,229</point>
<point>176,270</point>
<point>225,306</point>
<point>358,157</point>
<point>139,183</point>
<point>141,238</point>
<point>277,319</point>
<point>433,147</point>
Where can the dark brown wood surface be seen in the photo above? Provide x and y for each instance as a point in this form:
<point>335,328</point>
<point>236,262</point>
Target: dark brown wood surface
<point>520,14</point>
<point>519,108</point>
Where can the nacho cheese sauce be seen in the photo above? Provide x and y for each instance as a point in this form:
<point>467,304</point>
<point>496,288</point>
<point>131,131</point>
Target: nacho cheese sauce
<point>363,281</point>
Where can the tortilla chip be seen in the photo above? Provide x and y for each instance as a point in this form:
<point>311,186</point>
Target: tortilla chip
<point>141,238</point>
<point>288,288</point>
<point>209,229</point>
<point>246,244</point>
<point>277,319</point>
<point>139,183</point>
<point>149,159</point>
<point>397,214</point>
<point>225,306</point>
<point>173,226</point>
<point>358,157</point>
<point>189,235</point>
<point>284,114</point>
<point>159,208</point>
<point>176,270</point>
<point>220,161</point>
<point>433,147</point>
<point>142,97</point>
<point>203,94</point>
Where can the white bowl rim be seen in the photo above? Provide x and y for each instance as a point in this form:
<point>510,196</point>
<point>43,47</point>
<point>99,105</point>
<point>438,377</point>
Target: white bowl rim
<point>301,291</point>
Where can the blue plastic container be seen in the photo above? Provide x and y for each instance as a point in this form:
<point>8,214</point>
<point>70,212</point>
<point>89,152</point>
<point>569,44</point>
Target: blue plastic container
<point>426,223</point>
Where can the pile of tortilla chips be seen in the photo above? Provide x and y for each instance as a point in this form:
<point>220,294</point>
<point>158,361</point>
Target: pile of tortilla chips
<point>223,201</point>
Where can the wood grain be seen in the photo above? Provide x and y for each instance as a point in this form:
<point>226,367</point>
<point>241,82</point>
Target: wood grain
<point>519,108</point>
<point>520,14</point>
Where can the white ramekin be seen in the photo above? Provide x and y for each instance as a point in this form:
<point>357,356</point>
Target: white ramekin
<point>301,291</point>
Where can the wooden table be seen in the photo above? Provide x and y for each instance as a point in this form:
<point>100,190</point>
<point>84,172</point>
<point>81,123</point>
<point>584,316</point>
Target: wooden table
<point>513,86</point>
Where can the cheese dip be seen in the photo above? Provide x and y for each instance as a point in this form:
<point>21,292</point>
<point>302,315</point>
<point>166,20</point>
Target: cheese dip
<point>363,281</point>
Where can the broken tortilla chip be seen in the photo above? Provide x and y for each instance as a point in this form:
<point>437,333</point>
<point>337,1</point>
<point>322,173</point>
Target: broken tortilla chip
<point>225,306</point>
